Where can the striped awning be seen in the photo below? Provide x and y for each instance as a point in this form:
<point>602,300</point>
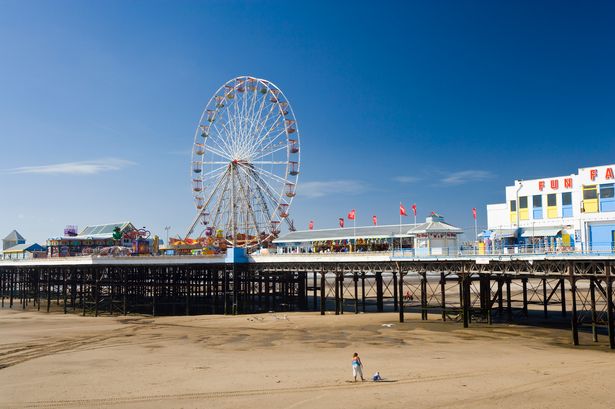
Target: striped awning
<point>503,233</point>
<point>541,231</point>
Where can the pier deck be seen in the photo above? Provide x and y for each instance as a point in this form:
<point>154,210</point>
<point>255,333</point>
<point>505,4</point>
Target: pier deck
<point>466,289</point>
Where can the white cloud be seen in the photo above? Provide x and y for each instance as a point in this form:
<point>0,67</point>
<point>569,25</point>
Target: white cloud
<point>406,179</point>
<point>332,187</point>
<point>466,176</point>
<point>91,167</point>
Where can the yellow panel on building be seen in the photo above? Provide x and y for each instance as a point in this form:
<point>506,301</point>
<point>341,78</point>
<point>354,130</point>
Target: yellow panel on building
<point>513,217</point>
<point>590,199</point>
<point>552,212</point>
<point>524,214</point>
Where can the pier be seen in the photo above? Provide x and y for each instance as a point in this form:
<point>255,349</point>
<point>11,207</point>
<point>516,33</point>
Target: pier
<point>577,290</point>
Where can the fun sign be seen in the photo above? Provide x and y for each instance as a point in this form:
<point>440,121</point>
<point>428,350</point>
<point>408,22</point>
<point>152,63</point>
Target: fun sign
<point>554,184</point>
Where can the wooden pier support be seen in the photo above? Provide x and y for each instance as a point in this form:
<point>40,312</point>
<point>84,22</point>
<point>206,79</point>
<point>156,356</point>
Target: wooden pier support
<point>379,292</point>
<point>401,295</point>
<point>574,323</point>
<point>323,292</point>
<point>424,296</point>
<point>592,294</point>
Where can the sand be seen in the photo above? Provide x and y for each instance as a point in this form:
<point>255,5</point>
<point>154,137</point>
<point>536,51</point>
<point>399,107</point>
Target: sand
<point>295,360</point>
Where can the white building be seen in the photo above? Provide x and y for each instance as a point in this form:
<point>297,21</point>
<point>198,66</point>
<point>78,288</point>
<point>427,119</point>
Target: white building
<point>575,211</point>
<point>435,237</point>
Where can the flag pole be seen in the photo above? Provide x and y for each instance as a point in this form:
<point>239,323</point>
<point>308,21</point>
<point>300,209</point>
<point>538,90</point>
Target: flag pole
<point>475,236</point>
<point>400,228</point>
<point>354,232</point>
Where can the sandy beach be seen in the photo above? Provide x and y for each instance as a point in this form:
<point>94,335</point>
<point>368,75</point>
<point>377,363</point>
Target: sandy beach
<point>295,360</point>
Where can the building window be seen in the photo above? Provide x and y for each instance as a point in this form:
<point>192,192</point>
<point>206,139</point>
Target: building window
<point>523,202</point>
<point>607,198</point>
<point>551,200</point>
<point>513,205</point>
<point>537,207</point>
<point>607,191</point>
<point>552,212</point>
<point>567,204</point>
<point>590,192</point>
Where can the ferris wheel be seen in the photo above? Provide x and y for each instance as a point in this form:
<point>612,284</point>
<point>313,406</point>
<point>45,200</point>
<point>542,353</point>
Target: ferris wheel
<point>245,163</point>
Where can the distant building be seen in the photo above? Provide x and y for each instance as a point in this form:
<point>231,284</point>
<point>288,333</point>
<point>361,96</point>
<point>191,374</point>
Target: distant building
<point>24,251</point>
<point>561,213</point>
<point>432,238</point>
<point>12,239</point>
<point>90,240</point>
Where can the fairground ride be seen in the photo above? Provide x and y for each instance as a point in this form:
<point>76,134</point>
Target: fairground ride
<point>245,164</point>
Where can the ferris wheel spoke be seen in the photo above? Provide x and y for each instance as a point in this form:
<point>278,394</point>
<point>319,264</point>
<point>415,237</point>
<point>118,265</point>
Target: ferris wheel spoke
<point>269,162</point>
<point>248,130</point>
<point>220,153</point>
<point>270,149</point>
<point>272,175</point>
<point>262,138</point>
<point>264,187</point>
<point>214,139</point>
<point>264,123</point>
<point>269,152</point>
<point>268,188</point>
<point>213,173</point>
<point>206,203</point>
<point>217,207</point>
<point>255,115</point>
<point>260,196</point>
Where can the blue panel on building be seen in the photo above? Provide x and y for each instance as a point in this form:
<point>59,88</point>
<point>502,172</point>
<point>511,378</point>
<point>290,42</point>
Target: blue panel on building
<point>537,213</point>
<point>567,211</point>
<point>236,255</point>
<point>601,237</point>
<point>607,205</point>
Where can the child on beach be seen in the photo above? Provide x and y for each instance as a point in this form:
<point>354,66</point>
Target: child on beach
<point>357,367</point>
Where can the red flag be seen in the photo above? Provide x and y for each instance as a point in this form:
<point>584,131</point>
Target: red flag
<point>311,225</point>
<point>351,214</point>
<point>414,209</point>
<point>402,210</point>
<point>375,220</point>
<point>474,212</point>
<point>341,222</point>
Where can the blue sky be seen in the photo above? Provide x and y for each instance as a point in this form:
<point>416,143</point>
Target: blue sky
<point>437,103</point>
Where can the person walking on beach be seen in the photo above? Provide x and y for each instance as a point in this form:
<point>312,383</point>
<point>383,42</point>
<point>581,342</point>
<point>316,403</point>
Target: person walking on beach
<point>357,367</point>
